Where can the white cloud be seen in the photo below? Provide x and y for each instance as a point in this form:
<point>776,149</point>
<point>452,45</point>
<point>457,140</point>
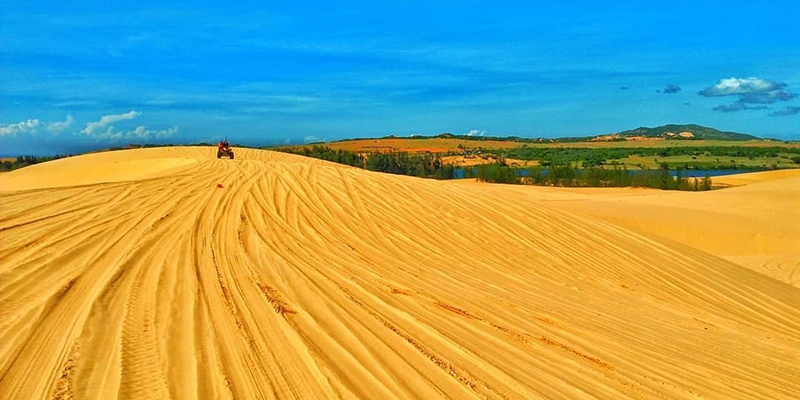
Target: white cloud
<point>141,132</point>
<point>314,139</point>
<point>733,86</point>
<point>110,134</point>
<point>475,132</point>
<point>749,91</point>
<point>20,127</point>
<point>60,126</point>
<point>107,120</point>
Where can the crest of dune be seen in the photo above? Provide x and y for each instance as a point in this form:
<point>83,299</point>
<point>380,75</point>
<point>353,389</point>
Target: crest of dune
<point>131,274</point>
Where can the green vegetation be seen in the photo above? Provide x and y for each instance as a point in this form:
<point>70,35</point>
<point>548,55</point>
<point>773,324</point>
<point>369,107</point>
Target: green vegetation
<point>422,165</point>
<point>24,161</point>
<point>566,176</point>
<point>705,157</point>
<point>699,132</point>
<point>431,166</point>
<point>328,154</point>
<point>494,173</point>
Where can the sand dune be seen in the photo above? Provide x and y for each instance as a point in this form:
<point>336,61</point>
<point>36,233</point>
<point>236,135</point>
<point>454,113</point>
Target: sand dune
<point>756,225</point>
<point>131,275</point>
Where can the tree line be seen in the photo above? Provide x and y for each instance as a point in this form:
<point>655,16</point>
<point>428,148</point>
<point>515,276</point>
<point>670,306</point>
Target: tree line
<point>24,161</point>
<point>400,163</point>
<point>566,176</point>
<point>591,157</point>
<point>431,166</point>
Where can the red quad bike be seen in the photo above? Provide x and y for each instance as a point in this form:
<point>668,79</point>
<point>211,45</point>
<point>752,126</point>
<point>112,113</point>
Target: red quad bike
<point>224,151</point>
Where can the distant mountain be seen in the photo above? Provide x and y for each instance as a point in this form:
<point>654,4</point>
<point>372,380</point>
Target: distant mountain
<point>671,131</point>
<point>690,131</point>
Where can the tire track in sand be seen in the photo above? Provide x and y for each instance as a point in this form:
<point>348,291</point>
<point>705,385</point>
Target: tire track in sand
<point>304,279</point>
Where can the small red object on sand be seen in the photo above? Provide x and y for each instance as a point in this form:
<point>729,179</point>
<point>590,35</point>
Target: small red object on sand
<point>219,185</point>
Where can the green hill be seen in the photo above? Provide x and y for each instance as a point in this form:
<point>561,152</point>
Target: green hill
<point>699,132</point>
<point>671,131</point>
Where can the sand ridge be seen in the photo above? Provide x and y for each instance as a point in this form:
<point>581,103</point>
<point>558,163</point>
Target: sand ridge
<point>306,279</point>
<point>756,224</point>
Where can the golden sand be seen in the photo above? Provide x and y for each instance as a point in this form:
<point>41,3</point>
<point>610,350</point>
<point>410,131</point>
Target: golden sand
<point>130,274</point>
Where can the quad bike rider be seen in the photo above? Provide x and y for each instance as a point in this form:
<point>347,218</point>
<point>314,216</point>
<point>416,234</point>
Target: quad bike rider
<point>224,149</point>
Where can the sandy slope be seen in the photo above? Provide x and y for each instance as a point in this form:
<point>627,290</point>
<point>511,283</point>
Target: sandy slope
<point>756,225</point>
<point>304,279</point>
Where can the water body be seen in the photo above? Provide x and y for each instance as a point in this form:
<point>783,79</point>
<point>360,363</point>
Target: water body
<point>686,173</point>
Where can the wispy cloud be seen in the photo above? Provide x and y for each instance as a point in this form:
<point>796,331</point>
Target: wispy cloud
<point>737,106</point>
<point>104,130</point>
<point>96,127</point>
<point>669,89</point>
<point>56,127</point>
<point>788,111</point>
<point>314,139</point>
<point>21,127</point>
<point>108,135</point>
<point>141,132</point>
<point>736,86</point>
<point>749,91</point>
<point>475,132</point>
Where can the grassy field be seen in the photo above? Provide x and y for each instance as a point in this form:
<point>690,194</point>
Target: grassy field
<point>444,145</point>
<point>633,154</point>
<point>680,161</point>
<point>432,145</point>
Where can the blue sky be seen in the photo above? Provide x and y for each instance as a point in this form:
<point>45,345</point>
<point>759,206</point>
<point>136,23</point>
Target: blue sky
<point>81,75</point>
